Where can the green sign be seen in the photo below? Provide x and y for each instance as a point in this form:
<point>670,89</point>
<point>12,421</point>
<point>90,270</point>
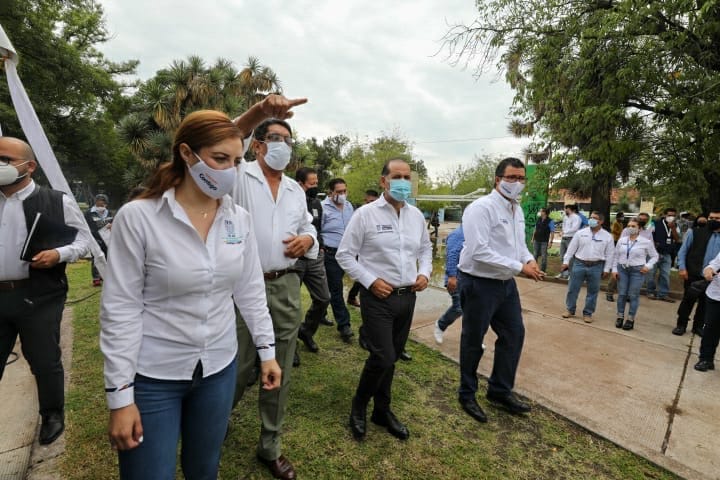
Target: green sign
<point>535,196</point>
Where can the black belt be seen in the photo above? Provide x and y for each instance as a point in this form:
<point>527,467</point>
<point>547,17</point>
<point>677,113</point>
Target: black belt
<point>402,291</point>
<point>588,262</point>
<point>486,279</point>
<point>330,250</point>
<point>277,273</point>
<point>13,284</point>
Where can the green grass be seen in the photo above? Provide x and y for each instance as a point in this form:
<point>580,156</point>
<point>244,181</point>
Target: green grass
<point>445,443</point>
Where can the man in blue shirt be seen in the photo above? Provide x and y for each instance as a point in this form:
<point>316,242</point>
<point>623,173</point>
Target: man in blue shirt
<point>701,245</point>
<point>453,247</point>
<point>337,211</point>
<point>542,237</point>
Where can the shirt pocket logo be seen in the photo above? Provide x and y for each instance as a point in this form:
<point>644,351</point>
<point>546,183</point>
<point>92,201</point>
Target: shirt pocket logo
<point>231,237</point>
<point>384,228</point>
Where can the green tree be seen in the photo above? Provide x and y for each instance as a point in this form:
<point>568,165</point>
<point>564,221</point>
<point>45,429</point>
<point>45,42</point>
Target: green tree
<point>71,85</point>
<point>160,103</point>
<point>362,163</point>
<point>615,88</point>
<point>321,156</point>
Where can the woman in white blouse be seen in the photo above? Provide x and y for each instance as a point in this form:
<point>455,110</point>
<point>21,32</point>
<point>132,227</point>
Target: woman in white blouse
<point>181,253</point>
<point>634,257</point>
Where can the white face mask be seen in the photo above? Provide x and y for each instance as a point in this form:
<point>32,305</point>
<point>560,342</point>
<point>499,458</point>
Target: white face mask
<point>670,219</point>
<point>340,199</point>
<point>511,190</point>
<point>101,210</point>
<point>278,155</point>
<point>213,183</point>
<point>9,174</point>
<point>633,231</point>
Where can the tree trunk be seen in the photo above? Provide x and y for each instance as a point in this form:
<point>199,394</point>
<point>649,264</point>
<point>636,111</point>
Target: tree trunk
<point>600,198</point>
<point>712,198</point>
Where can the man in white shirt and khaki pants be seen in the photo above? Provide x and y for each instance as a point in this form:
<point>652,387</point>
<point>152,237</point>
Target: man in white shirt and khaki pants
<point>284,232</point>
<point>395,260</point>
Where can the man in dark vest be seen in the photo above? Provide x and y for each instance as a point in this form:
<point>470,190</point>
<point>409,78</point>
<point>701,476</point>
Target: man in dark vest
<point>39,234</point>
<point>701,245</point>
<point>98,217</point>
<point>666,238</point>
<point>312,271</point>
<point>542,237</point>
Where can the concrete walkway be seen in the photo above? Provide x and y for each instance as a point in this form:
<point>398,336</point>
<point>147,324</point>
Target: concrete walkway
<point>636,388</point>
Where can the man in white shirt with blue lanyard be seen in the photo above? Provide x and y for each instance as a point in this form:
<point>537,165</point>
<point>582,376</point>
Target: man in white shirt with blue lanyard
<point>494,252</point>
<point>284,232</point>
<point>395,260</point>
<point>593,249</point>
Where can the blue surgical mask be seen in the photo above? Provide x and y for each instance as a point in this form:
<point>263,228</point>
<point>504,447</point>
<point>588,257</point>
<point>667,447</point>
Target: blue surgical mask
<point>592,223</point>
<point>400,189</point>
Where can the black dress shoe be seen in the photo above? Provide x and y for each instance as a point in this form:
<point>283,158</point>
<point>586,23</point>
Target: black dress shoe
<point>679,330</point>
<point>53,424</point>
<point>698,331</point>
<point>704,366</point>
<point>609,297</point>
<point>325,321</point>
<point>405,356</point>
<point>388,420</point>
<point>363,344</point>
<point>308,341</point>
<point>472,408</point>
<point>512,404</point>
<point>619,322</point>
<point>346,334</point>
<point>280,467</point>
<point>296,359</point>
<point>358,423</point>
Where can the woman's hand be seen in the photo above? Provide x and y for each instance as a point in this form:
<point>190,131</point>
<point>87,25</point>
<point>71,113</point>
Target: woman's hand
<point>616,275</point>
<point>270,374</point>
<point>125,429</point>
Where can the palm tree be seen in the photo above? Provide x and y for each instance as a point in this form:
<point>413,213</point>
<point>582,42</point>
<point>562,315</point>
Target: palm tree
<point>185,86</point>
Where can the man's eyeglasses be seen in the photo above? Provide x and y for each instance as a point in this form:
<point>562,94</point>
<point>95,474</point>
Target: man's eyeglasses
<point>5,160</point>
<point>514,178</point>
<point>276,137</point>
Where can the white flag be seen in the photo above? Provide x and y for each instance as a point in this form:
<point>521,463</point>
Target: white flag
<point>38,140</point>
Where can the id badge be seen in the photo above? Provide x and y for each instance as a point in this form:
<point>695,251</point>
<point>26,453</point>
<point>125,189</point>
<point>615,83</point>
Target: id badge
<point>669,241</point>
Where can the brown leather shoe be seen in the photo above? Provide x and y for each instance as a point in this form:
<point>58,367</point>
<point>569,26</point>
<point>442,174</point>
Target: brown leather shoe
<point>280,467</point>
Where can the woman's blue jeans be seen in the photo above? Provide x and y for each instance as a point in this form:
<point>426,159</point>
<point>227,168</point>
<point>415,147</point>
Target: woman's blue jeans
<point>629,282</point>
<point>197,410</point>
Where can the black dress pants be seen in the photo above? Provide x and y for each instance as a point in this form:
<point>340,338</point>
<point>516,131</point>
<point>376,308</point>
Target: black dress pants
<point>37,322</point>
<point>687,303</point>
<point>385,329</point>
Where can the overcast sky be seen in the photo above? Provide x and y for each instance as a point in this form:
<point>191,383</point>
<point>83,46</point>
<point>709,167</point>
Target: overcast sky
<point>366,67</point>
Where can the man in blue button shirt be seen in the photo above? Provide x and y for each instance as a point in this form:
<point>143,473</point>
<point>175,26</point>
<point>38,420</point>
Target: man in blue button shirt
<point>337,211</point>
<point>701,245</point>
<point>453,247</point>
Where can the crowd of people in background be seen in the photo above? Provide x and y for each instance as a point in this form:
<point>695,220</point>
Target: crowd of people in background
<point>637,253</point>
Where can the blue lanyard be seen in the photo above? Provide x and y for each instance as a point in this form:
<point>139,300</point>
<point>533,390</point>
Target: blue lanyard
<point>630,246</point>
